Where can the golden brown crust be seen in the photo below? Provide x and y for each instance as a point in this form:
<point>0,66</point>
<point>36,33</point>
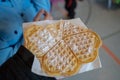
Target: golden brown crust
<point>60,61</point>
<point>39,40</point>
<point>84,45</point>
<point>30,44</point>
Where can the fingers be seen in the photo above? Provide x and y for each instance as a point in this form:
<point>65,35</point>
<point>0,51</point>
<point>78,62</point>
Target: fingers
<point>37,17</point>
<point>47,16</point>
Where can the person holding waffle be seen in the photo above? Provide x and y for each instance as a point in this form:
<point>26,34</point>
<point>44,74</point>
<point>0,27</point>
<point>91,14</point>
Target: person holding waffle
<point>12,14</point>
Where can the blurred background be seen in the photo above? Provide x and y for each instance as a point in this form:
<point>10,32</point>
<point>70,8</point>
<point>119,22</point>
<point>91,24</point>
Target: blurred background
<point>102,16</point>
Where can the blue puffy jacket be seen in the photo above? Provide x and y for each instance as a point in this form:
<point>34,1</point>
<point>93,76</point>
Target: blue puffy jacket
<point>12,14</point>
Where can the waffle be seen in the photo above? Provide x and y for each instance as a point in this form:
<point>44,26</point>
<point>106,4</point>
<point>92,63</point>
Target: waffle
<point>55,29</point>
<point>39,40</point>
<point>84,45</point>
<point>62,47</point>
<point>70,29</point>
<point>60,60</point>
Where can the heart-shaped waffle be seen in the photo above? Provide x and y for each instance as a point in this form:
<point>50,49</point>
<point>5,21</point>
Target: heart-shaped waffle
<point>39,40</point>
<point>60,60</point>
<point>84,45</point>
<point>70,29</point>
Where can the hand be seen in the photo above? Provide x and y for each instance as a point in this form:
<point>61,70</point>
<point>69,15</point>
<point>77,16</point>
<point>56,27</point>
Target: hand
<point>47,15</point>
